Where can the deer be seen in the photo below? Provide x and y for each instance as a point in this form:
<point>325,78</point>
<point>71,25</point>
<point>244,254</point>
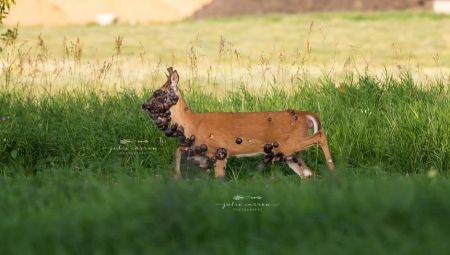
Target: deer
<point>214,137</point>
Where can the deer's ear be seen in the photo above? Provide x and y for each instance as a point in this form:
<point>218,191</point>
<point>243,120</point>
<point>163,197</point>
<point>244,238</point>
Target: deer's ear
<point>174,78</point>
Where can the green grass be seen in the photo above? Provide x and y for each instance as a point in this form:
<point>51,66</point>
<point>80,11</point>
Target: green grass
<point>84,171</point>
<point>76,214</point>
<point>392,123</point>
<point>257,52</point>
<point>65,189</point>
<point>411,38</point>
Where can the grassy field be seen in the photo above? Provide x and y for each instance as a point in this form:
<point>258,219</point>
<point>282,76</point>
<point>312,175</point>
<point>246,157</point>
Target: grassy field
<point>84,171</point>
<point>257,52</point>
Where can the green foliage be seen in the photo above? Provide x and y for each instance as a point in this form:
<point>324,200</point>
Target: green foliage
<point>10,35</point>
<point>60,212</point>
<point>334,38</point>
<point>392,123</point>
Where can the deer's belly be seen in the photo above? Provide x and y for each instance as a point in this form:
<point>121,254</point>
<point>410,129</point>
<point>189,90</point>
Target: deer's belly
<point>248,155</point>
<point>254,146</point>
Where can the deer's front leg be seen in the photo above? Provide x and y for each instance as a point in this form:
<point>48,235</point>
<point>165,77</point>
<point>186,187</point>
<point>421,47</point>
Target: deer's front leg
<point>219,169</point>
<point>178,154</point>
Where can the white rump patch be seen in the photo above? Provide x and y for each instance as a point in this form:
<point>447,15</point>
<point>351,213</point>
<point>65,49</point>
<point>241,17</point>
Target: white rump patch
<point>314,121</point>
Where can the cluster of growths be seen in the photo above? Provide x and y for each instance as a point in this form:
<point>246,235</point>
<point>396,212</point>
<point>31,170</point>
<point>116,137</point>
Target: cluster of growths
<point>293,115</point>
<point>270,156</point>
<point>197,150</point>
<point>158,108</point>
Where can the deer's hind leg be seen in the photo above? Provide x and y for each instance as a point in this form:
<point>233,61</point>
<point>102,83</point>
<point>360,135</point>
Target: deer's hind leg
<point>321,139</point>
<point>326,151</point>
<point>297,164</point>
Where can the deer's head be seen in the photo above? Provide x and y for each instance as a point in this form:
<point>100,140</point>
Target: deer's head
<point>159,104</point>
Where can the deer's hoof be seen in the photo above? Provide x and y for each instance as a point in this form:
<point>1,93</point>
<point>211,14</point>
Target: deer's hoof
<point>307,174</point>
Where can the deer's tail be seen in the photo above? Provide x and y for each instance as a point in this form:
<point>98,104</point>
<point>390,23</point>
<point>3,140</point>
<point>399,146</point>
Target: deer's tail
<point>313,122</point>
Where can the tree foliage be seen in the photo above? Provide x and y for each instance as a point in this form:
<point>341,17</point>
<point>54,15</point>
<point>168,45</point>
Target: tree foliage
<point>10,35</point>
<point>5,6</point>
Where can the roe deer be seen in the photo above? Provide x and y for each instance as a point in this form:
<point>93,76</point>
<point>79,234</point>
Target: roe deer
<point>216,136</point>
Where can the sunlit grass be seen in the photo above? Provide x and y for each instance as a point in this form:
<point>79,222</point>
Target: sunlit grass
<point>257,52</point>
<point>379,38</point>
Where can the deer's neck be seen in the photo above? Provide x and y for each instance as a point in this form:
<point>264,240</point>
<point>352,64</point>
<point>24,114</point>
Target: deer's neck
<point>182,115</point>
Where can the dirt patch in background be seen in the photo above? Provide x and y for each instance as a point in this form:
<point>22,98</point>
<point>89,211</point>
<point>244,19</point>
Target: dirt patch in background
<point>63,12</point>
<point>220,8</point>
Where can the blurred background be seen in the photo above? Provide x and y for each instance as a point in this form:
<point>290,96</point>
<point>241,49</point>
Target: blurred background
<point>53,12</point>
<point>84,171</point>
<point>230,43</point>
